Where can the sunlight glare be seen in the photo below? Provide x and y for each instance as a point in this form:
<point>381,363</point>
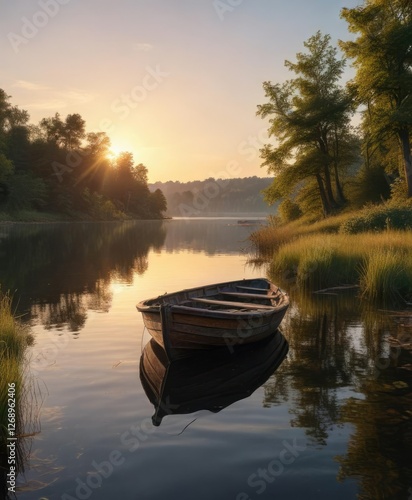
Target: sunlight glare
<point>115,150</point>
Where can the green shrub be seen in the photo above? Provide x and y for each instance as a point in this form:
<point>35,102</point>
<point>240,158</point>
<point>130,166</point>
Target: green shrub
<point>399,193</point>
<point>377,219</point>
<point>369,186</point>
<point>289,210</point>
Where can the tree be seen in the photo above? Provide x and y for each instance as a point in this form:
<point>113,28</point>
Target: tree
<point>67,134</point>
<point>308,116</point>
<point>73,131</point>
<point>382,54</point>
<point>52,128</point>
<point>158,202</point>
<point>6,168</point>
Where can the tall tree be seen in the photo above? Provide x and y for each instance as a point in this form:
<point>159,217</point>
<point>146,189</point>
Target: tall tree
<point>67,134</point>
<point>74,131</point>
<point>308,114</point>
<point>382,54</point>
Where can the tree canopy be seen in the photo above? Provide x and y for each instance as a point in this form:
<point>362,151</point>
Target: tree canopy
<point>382,56</point>
<point>309,119</point>
<point>57,166</point>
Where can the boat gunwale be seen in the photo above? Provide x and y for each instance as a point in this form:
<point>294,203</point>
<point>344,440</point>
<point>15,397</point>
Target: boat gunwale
<point>145,306</point>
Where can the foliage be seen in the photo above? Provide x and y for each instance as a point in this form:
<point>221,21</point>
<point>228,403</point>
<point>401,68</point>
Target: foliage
<point>50,166</point>
<point>6,168</point>
<point>158,202</point>
<point>309,118</point>
<point>100,208</point>
<point>377,219</point>
<point>26,191</point>
<point>383,82</point>
<point>289,211</point>
<point>371,185</point>
<point>399,193</point>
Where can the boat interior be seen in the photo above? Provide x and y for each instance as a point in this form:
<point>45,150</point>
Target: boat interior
<point>234,297</point>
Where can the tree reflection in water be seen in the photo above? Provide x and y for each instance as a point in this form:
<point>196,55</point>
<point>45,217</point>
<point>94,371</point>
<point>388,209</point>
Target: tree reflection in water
<point>62,271</point>
<point>340,346</point>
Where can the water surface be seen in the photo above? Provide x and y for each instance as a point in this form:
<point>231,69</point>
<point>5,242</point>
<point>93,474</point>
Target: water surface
<point>333,421</point>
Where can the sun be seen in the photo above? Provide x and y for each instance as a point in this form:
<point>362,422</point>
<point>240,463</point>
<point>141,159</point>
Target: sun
<point>114,151</point>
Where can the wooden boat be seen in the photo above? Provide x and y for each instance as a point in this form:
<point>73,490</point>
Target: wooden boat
<point>222,314</point>
<point>207,380</point>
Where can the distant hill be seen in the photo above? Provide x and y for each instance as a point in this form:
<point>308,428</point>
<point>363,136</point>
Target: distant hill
<point>216,197</point>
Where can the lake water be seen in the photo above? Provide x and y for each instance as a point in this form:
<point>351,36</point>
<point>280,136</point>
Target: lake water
<point>333,421</point>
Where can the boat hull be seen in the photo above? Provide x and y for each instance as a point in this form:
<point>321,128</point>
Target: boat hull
<point>188,331</point>
<point>175,325</point>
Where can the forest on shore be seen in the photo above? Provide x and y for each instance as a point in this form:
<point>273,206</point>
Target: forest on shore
<point>211,196</point>
<point>59,170</point>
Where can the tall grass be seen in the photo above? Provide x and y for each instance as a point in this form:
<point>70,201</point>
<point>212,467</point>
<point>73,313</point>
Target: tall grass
<point>386,276</point>
<point>380,263</point>
<point>14,339</point>
<point>269,238</point>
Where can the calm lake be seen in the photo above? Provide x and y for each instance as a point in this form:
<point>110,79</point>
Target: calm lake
<point>333,421</point>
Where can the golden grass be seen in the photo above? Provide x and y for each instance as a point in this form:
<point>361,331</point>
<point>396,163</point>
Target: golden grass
<point>381,263</point>
<point>14,339</point>
<point>269,238</point>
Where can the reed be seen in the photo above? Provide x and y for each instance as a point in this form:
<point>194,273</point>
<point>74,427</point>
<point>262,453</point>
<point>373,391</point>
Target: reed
<point>380,263</point>
<point>269,238</point>
<point>13,335</point>
<point>14,339</point>
<point>386,276</point>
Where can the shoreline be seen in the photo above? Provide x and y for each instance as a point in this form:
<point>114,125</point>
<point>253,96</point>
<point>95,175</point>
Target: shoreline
<point>49,218</point>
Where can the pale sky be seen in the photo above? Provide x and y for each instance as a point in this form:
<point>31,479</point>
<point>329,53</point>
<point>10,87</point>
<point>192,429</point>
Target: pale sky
<point>176,82</point>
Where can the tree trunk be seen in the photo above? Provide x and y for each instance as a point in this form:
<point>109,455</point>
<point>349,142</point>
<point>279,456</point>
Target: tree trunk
<point>328,188</point>
<point>339,189</point>
<point>404,140</point>
<point>323,197</point>
<point>328,182</point>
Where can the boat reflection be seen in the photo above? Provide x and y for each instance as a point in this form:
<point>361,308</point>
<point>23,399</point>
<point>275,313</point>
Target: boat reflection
<point>207,380</point>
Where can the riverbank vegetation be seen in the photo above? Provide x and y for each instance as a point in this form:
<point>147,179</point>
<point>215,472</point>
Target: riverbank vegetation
<point>345,213</point>
<point>371,248</point>
<point>56,167</point>
<point>14,339</point>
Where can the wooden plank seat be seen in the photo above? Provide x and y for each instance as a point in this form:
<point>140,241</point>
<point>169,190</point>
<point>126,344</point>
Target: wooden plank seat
<point>249,295</point>
<point>251,289</point>
<point>236,305</point>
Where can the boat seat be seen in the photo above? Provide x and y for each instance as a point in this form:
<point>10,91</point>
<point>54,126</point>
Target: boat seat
<point>249,295</point>
<point>251,289</point>
<point>237,305</point>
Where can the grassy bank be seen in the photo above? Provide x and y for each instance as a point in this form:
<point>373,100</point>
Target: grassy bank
<point>14,339</point>
<point>327,254</point>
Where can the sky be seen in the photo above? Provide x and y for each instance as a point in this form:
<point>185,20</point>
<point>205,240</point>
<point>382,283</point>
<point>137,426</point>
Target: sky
<point>175,82</point>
